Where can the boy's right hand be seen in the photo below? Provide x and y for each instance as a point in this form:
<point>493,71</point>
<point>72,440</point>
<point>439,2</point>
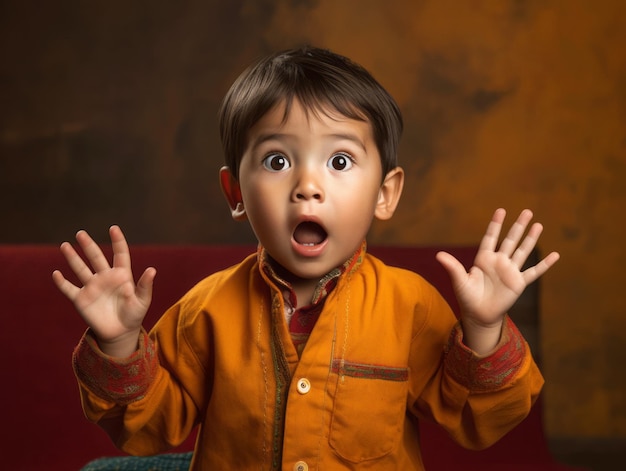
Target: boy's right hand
<point>109,301</point>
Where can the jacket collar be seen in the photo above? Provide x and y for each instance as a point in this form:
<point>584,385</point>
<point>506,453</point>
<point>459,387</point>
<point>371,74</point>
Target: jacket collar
<point>277,274</point>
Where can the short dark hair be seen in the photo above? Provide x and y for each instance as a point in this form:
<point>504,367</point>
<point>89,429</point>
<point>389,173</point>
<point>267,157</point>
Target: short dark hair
<point>317,78</point>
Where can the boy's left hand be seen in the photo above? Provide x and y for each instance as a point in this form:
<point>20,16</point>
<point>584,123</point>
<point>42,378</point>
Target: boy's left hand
<point>494,283</point>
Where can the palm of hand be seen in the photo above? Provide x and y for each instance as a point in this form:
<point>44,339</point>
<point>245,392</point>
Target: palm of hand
<point>494,283</point>
<point>109,305</point>
<point>492,286</point>
<point>108,300</point>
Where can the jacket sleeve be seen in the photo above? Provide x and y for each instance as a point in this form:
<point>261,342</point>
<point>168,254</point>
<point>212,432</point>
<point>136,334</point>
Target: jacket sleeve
<point>138,401</point>
<point>476,399</point>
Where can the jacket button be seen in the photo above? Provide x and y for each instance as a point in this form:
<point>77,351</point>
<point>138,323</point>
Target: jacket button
<point>303,386</point>
<point>300,466</point>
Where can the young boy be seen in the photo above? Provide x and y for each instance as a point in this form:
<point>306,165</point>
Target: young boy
<point>310,354</point>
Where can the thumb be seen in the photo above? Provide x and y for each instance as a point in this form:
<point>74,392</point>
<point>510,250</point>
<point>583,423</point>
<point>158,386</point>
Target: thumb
<point>144,285</point>
<point>456,270</point>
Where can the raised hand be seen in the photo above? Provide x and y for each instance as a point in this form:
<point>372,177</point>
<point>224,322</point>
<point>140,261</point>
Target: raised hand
<point>108,300</point>
<point>496,281</point>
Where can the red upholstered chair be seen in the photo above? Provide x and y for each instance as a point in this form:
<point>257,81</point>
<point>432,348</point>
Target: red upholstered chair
<point>42,423</point>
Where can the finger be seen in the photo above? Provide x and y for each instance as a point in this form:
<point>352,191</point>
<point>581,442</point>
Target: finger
<point>92,251</point>
<point>121,252</point>
<point>532,273</point>
<point>144,285</point>
<point>76,263</point>
<point>456,270</point>
<point>528,244</point>
<point>67,288</point>
<point>515,234</point>
<point>492,234</point>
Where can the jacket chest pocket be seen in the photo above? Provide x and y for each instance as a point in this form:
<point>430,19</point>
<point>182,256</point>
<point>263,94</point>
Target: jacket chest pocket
<point>369,411</point>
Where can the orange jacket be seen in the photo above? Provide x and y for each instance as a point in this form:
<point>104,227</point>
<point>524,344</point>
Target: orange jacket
<point>386,350</point>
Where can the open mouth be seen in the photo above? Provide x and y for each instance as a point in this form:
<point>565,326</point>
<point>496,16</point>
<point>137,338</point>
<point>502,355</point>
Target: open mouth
<point>309,234</point>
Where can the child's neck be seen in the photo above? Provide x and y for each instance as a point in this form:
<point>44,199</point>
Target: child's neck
<point>304,290</point>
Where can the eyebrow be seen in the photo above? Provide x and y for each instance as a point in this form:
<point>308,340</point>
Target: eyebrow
<point>268,137</point>
<point>350,137</point>
<point>278,136</point>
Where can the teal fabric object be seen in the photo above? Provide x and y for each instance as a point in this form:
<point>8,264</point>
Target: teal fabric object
<point>164,462</point>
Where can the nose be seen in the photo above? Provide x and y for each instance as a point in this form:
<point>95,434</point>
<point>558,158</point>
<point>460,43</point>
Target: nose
<point>308,186</point>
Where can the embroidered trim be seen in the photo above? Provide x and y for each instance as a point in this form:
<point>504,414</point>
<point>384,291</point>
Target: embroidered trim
<point>121,381</point>
<point>483,374</point>
<point>366,371</point>
<point>266,387</point>
<point>283,380</point>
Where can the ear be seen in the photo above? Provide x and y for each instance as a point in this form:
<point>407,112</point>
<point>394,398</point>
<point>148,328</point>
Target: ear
<point>232,192</point>
<point>389,194</point>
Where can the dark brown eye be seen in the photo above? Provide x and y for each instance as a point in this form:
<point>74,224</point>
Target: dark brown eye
<point>340,162</point>
<point>276,162</point>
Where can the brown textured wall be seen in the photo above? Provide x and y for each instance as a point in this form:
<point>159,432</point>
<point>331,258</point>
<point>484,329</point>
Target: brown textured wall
<point>108,116</point>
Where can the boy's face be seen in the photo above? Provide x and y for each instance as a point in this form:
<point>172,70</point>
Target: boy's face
<point>310,187</point>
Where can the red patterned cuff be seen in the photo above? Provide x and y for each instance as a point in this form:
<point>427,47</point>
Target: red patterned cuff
<point>491,372</point>
<point>117,380</point>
